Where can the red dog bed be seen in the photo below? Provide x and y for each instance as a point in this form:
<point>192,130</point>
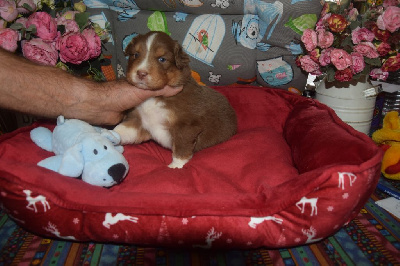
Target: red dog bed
<point>293,174</point>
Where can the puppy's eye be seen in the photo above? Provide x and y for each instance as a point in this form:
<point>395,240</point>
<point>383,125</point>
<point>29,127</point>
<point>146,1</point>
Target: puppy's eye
<point>162,59</point>
<point>95,152</point>
<point>105,147</point>
<point>135,55</point>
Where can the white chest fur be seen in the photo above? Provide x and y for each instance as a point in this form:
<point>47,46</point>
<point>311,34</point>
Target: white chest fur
<point>154,117</point>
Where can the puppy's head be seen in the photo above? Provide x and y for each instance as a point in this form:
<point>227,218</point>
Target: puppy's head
<point>156,60</point>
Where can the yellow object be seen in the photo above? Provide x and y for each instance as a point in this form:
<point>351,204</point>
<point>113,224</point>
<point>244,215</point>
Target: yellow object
<point>388,137</point>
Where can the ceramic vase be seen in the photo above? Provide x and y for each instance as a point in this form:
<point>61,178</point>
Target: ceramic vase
<point>353,101</point>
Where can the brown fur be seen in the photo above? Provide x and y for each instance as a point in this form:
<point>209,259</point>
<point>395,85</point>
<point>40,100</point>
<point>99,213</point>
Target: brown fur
<point>200,116</point>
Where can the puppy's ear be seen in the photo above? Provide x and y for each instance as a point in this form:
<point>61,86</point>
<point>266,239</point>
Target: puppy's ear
<point>181,58</point>
<point>130,49</point>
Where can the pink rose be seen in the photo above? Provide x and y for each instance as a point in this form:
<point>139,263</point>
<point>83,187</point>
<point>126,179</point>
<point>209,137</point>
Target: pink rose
<point>383,48</point>
<point>362,34</point>
<point>366,49</point>
<point>340,59</point>
<point>321,22</point>
<point>70,25</point>
<point>94,42</point>
<point>8,10</point>
<point>358,63</point>
<point>22,21</point>
<point>344,75</point>
<point>46,26</point>
<point>325,38</point>
<point>22,9</point>
<point>73,48</point>
<point>309,65</point>
<point>388,3</point>
<point>390,19</point>
<point>9,39</point>
<point>309,38</point>
<point>377,73</point>
<point>325,58</point>
<point>40,52</point>
<point>352,15</point>
<point>392,63</point>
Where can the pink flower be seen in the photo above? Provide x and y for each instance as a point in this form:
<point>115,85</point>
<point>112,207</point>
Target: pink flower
<point>70,24</point>
<point>388,3</point>
<point>390,19</point>
<point>321,22</point>
<point>325,58</point>
<point>22,21</point>
<point>392,63</point>
<point>362,34</point>
<point>344,75</point>
<point>383,49</point>
<point>40,52</point>
<point>352,15</point>
<point>366,49</point>
<point>325,38</point>
<point>46,26</point>
<point>377,73</point>
<point>358,63</point>
<point>9,39</point>
<point>340,59</point>
<point>94,42</point>
<point>309,65</point>
<point>8,10</point>
<point>309,38</point>
<point>73,48</point>
<point>22,9</point>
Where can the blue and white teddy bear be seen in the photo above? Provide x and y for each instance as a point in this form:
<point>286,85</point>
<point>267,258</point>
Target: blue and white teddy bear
<point>83,150</point>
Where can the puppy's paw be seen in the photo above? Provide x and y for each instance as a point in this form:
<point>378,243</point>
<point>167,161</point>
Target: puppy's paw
<point>127,134</point>
<point>178,163</point>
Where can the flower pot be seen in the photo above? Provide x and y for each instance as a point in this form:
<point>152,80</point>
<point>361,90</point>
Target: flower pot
<point>353,101</point>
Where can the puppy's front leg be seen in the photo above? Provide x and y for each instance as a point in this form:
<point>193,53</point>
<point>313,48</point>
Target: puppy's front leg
<point>131,130</point>
<point>183,146</point>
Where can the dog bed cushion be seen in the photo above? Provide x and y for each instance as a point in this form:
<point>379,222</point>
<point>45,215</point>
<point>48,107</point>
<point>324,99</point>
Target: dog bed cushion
<point>293,174</point>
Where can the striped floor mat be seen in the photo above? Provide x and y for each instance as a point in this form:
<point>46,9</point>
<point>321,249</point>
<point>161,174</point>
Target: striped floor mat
<point>373,238</point>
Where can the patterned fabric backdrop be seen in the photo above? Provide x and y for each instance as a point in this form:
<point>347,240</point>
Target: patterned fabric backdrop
<point>372,238</point>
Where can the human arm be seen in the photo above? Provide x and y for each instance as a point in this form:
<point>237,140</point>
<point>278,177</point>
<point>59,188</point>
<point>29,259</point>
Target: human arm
<point>49,92</point>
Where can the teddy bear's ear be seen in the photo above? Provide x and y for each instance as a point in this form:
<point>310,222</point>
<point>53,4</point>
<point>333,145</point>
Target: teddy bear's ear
<point>111,135</point>
<point>119,148</point>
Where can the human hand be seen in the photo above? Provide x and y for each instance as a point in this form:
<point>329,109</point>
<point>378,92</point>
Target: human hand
<point>105,103</point>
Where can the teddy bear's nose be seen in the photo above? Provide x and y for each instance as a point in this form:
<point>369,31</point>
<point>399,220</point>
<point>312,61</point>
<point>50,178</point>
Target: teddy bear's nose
<point>117,172</point>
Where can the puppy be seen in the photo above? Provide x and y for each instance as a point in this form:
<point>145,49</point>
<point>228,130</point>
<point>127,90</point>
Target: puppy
<point>196,118</point>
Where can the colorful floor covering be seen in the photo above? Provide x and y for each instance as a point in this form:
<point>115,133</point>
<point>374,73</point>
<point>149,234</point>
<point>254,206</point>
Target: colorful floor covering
<point>373,238</point>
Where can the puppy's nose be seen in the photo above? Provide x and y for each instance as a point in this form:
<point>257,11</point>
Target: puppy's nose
<point>117,172</point>
<point>142,74</point>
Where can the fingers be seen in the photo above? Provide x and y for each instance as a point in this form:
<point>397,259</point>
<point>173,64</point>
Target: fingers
<point>169,91</point>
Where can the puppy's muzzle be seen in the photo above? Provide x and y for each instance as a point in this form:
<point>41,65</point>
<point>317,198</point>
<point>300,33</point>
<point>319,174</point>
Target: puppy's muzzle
<point>117,172</point>
<point>142,74</point>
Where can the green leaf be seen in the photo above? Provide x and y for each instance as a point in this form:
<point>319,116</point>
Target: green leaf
<point>354,25</point>
<point>330,75</point>
<point>27,7</point>
<point>373,61</point>
<point>32,29</point>
<point>17,26</point>
<point>82,19</point>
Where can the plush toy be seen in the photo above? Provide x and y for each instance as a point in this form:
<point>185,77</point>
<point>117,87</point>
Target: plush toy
<point>388,137</point>
<point>83,150</point>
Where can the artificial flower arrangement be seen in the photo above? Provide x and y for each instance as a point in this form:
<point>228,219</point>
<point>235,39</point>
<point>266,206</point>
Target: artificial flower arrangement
<point>53,33</point>
<point>346,45</point>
